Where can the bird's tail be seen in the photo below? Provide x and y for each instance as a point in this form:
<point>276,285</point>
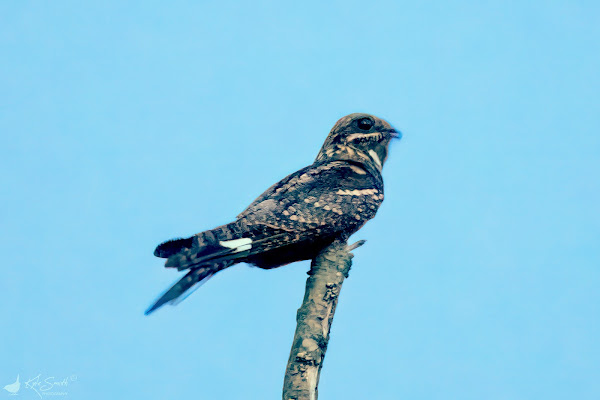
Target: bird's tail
<point>206,248</point>
<point>200,241</point>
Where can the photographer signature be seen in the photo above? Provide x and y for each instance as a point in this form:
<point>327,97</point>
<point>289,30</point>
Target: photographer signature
<point>44,386</point>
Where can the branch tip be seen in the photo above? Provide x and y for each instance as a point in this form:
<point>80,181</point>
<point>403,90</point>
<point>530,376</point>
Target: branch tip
<point>355,245</point>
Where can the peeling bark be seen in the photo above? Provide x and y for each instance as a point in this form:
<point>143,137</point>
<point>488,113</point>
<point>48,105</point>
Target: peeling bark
<point>326,276</point>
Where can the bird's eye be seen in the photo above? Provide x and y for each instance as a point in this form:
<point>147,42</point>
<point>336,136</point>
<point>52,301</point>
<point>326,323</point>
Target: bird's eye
<point>365,124</point>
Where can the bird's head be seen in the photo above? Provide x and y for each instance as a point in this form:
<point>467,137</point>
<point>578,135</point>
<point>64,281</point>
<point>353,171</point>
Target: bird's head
<point>360,137</point>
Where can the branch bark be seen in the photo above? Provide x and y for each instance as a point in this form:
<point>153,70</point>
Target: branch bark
<point>326,276</point>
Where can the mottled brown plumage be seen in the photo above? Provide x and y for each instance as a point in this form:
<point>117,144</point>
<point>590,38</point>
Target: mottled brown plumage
<point>295,218</point>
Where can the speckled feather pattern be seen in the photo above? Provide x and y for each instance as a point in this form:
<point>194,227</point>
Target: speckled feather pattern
<point>293,219</point>
<point>325,199</point>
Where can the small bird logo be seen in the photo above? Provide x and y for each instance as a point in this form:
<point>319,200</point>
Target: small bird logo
<point>13,388</point>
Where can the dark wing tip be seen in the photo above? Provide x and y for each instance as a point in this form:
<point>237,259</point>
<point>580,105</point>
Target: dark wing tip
<point>163,299</point>
<point>182,288</point>
<point>151,309</point>
<point>169,295</point>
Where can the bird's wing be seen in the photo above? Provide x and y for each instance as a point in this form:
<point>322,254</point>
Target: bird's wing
<point>183,288</point>
<point>321,199</point>
<point>277,187</point>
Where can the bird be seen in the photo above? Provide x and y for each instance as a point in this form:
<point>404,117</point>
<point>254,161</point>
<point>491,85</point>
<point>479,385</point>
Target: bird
<point>13,388</point>
<point>296,217</point>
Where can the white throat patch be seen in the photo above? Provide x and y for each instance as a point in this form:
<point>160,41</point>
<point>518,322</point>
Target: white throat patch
<point>375,158</point>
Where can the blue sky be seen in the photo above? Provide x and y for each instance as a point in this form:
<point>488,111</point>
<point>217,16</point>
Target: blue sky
<point>127,123</point>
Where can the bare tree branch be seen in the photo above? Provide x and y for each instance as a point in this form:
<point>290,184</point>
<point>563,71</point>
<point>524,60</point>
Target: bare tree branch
<point>326,276</point>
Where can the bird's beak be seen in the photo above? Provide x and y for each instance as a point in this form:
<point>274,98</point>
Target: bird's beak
<point>394,133</point>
